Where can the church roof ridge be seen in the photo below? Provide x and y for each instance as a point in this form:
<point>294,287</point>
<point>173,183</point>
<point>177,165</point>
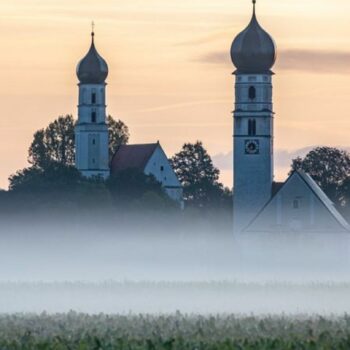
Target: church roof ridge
<point>317,190</point>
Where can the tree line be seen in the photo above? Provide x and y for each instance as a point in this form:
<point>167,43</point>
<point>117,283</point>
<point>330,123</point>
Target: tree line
<point>52,181</point>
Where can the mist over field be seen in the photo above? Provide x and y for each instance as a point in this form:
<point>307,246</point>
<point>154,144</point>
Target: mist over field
<point>152,264</point>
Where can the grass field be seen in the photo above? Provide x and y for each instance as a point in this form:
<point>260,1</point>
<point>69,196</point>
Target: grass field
<point>101,332</point>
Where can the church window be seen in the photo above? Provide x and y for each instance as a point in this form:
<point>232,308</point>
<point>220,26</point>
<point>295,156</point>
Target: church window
<point>83,96</point>
<point>93,117</point>
<point>93,98</point>
<point>93,141</point>
<point>251,127</point>
<point>252,93</point>
<point>296,204</point>
<point>161,168</point>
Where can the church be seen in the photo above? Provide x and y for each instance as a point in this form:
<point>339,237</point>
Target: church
<point>92,140</point>
<point>260,204</point>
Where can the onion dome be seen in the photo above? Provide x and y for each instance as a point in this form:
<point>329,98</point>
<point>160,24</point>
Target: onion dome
<point>253,50</point>
<point>92,69</point>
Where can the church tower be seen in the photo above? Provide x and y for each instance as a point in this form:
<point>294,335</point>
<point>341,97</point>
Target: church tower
<point>91,131</point>
<point>253,53</point>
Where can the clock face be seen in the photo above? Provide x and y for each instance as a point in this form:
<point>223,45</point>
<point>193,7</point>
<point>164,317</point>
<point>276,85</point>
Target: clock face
<point>252,146</point>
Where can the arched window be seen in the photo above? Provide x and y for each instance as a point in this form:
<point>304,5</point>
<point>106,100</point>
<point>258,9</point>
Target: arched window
<point>93,98</point>
<point>93,117</point>
<point>252,93</point>
<point>83,96</point>
<point>251,127</point>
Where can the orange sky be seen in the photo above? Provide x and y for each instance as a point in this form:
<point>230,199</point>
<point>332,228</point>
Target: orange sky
<point>170,71</point>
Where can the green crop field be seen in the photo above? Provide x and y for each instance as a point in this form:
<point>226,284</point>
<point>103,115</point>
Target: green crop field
<point>101,332</point>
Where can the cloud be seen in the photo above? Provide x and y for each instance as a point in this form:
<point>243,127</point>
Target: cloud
<point>182,105</point>
<point>316,61</point>
<point>217,57</point>
<point>223,161</point>
<point>325,61</point>
<point>283,158</point>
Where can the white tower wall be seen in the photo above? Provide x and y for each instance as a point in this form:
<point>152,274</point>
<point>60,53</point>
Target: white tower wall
<point>91,131</point>
<point>253,146</point>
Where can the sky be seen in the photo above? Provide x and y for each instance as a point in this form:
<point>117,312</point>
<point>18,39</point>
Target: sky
<point>170,71</point>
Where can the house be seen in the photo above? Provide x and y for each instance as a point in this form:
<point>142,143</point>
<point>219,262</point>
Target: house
<point>151,160</point>
<point>298,205</point>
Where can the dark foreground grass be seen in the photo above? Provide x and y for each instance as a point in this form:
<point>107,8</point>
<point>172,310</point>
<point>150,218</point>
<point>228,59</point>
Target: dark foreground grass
<point>101,332</point>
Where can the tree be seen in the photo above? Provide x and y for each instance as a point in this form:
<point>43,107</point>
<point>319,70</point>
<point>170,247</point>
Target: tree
<point>207,195</point>
<point>56,177</point>
<point>193,164</point>
<point>132,186</point>
<point>56,143</point>
<point>328,166</point>
<point>57,186</point>
<point>198,176</point>
<point>118,134</point>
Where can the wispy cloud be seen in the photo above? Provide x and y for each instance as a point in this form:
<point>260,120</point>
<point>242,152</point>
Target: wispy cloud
<point>325,61</point>
<point>283,158</point>
<point>182,105</point>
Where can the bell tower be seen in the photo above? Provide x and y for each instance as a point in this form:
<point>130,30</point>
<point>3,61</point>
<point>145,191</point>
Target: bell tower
<point>91,131</point>
<point>253,53</point>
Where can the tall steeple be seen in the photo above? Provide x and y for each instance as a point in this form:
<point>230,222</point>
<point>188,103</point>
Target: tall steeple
<point>253,53</point>
<point>91,131</point>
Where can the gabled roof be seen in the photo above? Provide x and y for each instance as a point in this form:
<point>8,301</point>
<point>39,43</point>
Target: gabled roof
<point>318,192</point>
<point>323,198</point>
<point>132,156</point>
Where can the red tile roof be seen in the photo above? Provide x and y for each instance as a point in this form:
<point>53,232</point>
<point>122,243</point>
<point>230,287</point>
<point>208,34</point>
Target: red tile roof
<point>132,156</point>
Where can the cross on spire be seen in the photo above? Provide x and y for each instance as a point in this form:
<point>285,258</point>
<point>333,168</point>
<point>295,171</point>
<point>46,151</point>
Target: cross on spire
<point>92,31</point>
<point>254,2</point>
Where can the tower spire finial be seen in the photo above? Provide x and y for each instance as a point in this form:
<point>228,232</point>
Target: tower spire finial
<point>254,2</point>
<point>92,30</point>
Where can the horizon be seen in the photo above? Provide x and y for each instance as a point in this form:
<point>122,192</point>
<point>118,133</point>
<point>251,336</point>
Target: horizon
<point>182,89</point>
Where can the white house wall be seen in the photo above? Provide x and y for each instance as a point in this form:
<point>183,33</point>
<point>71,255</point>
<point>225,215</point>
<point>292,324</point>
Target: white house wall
<point>159,166</point>
<point>282,215</point>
